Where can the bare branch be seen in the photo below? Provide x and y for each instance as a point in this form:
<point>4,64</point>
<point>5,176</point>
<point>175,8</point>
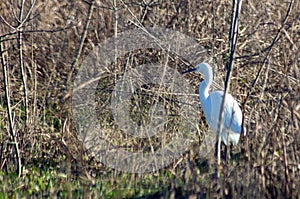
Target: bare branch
<point>78,51</point>
<point>233,35</point>
<point>9,108</point>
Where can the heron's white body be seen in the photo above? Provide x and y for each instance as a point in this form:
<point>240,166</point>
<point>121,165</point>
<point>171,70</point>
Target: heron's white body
<point>211,104</point>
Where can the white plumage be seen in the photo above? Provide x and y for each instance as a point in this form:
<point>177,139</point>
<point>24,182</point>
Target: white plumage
<point>211,104</point>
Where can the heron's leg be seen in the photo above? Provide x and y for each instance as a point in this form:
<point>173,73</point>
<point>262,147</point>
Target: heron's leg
<point>223,153</point>
<point>216,149</point>
<point>228,150</point>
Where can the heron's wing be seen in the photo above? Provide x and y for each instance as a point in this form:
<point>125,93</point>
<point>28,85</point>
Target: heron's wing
<point>232,118</point>
<point>232,115</point>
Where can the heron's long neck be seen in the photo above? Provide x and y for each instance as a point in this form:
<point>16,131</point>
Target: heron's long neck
<point>204,88</point>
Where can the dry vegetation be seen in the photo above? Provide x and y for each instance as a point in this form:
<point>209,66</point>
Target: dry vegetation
<point>41,54</point>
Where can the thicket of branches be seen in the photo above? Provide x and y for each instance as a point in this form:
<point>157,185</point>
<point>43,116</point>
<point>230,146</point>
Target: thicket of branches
<point>43,43</point>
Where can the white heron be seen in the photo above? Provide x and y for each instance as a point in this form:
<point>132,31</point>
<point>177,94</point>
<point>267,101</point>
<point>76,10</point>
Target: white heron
<point>211,105</point>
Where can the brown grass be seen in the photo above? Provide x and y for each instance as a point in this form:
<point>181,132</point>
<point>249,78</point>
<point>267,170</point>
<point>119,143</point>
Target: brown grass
<point>269,166</point>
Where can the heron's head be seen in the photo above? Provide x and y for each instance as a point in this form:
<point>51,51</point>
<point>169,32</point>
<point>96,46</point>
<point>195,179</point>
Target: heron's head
<point>204,68</point>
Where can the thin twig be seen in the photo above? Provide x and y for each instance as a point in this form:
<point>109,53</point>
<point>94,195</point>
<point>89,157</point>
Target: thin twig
<point>9,109</point>
<point>274,41</point>
<point>79,50</point>
<point>115,10</point>
<point>20,20</point>
<point>32,31</point>
<point>23,72</point>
